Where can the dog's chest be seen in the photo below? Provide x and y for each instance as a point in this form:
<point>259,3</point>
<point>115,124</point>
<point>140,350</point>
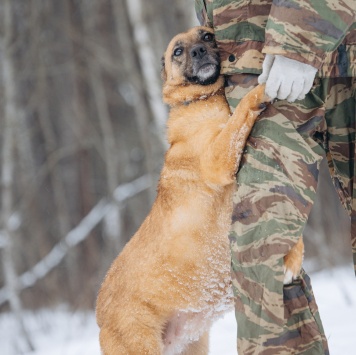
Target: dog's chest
<point>187,326</point>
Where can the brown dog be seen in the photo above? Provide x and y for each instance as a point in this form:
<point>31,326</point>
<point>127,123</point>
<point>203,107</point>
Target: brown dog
<point>172,279</point>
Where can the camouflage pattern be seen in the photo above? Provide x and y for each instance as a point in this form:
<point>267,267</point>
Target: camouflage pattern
<point>310,31</point>
<point>241,22</point>
<point>276,188</point>
<point>278,174</point>
<point>321,33</point>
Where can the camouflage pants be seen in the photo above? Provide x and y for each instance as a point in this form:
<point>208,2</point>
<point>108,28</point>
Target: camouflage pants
<point>276,188</point>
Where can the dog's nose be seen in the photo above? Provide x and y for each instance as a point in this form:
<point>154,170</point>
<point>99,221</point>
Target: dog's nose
<point>198,51</point>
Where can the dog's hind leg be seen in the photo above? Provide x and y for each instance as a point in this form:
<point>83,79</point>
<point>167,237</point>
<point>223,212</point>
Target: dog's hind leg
<point>199,347</point>
<point>293,262</point>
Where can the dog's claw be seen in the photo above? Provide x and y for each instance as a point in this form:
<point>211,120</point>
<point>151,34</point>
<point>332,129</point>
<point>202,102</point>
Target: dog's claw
<point>262,106</point>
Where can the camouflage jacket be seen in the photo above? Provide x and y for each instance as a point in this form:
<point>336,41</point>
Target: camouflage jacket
<point>321,33</point>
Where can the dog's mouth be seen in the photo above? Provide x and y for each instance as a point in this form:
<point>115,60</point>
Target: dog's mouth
<point>206,74</point>
<point>207,70</point>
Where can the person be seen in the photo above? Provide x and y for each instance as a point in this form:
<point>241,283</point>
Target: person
<point>305,52</point>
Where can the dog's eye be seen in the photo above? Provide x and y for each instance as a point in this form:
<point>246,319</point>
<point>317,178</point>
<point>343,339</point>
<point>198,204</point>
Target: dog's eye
<point>208,37</point>
<point>177,52</point>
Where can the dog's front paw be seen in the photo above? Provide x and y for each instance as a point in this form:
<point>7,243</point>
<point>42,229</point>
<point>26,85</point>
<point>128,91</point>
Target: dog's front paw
<point>293,262</point>
<point>258,98</point>
<point>254,102</point>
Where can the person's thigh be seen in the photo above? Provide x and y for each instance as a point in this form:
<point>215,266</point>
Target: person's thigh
<point>340,118</point>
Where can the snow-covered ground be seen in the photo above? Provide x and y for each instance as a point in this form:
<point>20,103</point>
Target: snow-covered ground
<point>60,332</point>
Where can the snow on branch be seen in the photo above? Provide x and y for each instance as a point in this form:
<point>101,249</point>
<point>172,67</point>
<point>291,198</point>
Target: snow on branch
<point>77,234</point>
<point>125,191</point>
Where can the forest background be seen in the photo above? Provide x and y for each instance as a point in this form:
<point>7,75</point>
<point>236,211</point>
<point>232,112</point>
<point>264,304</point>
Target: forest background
<point>82,140</point>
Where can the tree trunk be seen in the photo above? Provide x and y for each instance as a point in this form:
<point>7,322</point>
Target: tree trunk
<point>7,176</point>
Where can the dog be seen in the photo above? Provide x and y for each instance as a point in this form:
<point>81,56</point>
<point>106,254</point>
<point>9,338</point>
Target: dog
<point>172,279</point>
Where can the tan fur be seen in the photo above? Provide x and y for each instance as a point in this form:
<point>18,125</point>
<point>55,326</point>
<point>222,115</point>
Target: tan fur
<point>172,279</point>
<point>293,262</point>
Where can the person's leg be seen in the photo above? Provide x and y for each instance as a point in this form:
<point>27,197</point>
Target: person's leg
<point>339,142</point>
<point>276,187</point>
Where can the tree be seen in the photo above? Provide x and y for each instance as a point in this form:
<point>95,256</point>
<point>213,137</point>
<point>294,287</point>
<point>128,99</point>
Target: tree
<point>82,116</point>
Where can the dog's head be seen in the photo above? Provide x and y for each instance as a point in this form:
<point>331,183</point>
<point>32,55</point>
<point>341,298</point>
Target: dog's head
<point>191,59</point>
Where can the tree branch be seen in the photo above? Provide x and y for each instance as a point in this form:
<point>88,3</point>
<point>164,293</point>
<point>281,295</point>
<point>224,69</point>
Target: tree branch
<point>77,235</point>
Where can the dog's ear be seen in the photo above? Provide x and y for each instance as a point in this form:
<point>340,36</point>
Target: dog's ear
<point>163,69</point>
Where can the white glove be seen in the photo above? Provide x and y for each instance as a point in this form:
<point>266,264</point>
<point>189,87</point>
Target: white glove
<point>286,79</point>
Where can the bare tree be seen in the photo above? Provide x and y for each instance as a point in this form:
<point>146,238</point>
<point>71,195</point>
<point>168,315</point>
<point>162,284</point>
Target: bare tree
<point>85,89</point>
<point>11,116</point>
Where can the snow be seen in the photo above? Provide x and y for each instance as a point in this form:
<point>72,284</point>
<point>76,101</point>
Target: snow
<point>335,292</point>
<point>63,332</point>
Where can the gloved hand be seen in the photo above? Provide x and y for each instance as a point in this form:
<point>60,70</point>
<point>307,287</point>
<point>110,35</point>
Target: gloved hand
<point>286,79</point>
